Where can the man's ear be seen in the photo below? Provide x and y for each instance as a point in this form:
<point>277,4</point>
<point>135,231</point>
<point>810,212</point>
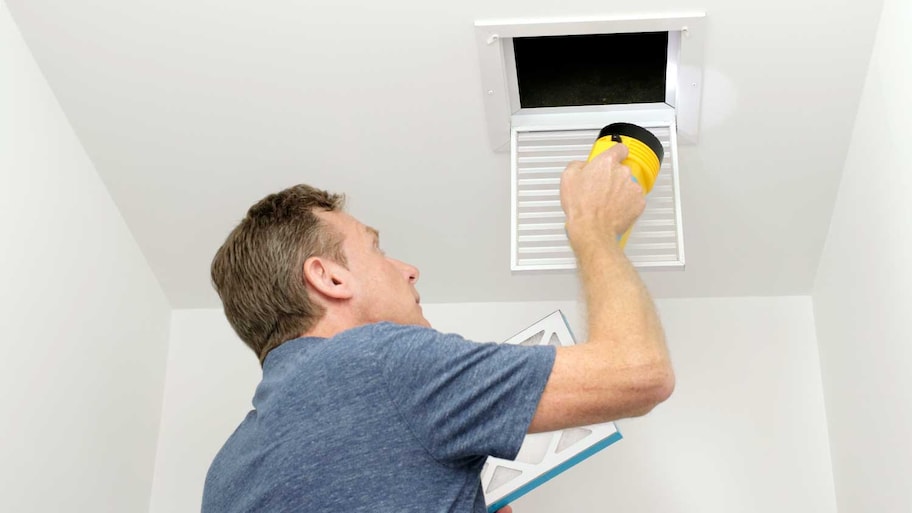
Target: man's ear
<point>328,278</point>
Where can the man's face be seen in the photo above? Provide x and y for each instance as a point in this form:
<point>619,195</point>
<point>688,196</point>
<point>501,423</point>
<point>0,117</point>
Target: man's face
<point>384,287</point>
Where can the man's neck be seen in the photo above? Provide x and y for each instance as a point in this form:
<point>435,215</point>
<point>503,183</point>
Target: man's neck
<point>331,325</point>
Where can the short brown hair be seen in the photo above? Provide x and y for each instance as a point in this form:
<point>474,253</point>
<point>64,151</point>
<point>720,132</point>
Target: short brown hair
<point>258,270</point>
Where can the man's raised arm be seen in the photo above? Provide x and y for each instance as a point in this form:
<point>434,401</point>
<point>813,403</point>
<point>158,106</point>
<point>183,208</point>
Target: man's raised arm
<point>623,368</point>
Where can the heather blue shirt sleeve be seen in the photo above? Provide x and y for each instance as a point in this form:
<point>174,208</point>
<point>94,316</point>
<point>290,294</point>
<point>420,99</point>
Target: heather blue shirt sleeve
<point>461,399</point>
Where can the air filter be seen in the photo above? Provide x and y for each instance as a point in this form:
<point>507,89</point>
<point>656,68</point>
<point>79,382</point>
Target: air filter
<point>543,455</point>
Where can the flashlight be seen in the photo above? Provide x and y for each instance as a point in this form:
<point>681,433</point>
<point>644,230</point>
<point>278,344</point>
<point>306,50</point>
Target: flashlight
<point>644,157</point>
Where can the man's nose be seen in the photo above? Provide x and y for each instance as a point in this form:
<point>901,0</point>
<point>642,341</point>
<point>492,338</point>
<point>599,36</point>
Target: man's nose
<point>410,271</point>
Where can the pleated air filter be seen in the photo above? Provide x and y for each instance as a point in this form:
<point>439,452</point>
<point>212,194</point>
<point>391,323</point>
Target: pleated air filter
<point>539,240</point>
<point>543,455</point>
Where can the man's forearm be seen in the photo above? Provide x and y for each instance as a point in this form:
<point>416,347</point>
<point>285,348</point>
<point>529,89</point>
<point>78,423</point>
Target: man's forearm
<point>621,315</point>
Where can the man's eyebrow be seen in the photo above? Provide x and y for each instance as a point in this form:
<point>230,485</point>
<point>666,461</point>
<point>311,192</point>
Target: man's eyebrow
<point>374,232</point>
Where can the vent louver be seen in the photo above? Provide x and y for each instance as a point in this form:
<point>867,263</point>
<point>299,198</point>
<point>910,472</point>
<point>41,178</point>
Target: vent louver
<point>539,239</point>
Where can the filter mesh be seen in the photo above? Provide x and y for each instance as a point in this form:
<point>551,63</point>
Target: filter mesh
<point>534,340</point>
<point>571,436</point>
<point>534,448</point>
<point>502,476</point>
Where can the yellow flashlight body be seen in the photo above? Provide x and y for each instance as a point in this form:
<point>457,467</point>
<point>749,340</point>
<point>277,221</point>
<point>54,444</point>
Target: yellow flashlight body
<point>644,156</point>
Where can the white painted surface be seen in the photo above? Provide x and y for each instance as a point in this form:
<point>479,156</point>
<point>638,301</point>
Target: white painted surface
<point>208,390</point>
<point>745,430</point>
<point>193,110</point>
<point>83,322</point>
<point>862,296</point>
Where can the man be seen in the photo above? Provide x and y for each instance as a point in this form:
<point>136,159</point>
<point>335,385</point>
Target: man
<point>364,408</point>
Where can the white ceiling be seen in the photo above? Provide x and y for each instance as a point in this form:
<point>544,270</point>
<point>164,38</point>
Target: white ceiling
<point>194,109</point>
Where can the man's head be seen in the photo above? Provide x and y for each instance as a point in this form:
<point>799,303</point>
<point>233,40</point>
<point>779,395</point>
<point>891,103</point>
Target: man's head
<point>370,287</point>
<point>297,264</point>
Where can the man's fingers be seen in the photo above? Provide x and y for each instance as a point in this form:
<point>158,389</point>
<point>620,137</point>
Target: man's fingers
<point>624,171</point>
<point>613,155</point>
<point>575,164</point>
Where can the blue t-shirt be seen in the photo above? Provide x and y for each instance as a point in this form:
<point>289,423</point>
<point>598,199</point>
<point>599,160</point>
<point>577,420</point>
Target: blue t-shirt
<point>382,418</point>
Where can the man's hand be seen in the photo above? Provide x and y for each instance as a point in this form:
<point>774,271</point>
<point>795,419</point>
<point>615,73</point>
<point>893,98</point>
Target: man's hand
<point>505,509</point>
<point>600,196</point>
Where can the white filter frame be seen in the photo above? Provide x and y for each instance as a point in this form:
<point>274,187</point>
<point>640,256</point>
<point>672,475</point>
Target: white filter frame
<point>556,458</point>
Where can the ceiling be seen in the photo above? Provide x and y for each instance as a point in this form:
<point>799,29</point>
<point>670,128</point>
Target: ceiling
<point>192,110</point>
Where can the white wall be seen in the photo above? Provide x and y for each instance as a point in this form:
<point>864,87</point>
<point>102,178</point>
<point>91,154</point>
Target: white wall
<point>863,292</point>
<point>209,386</point>
<point>745,430</point>
<point>83,322</point>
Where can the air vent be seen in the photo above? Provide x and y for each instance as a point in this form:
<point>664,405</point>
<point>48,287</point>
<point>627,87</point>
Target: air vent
<point>539,239</point>
<point>548,92</point>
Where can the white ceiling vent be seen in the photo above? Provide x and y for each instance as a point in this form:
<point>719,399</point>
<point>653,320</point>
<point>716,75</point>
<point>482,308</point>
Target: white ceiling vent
<point>540,154</point>
<point>547,108</point>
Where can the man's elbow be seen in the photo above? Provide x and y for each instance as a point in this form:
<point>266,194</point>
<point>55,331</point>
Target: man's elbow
<point>657,386</point>
<point>665,384</point>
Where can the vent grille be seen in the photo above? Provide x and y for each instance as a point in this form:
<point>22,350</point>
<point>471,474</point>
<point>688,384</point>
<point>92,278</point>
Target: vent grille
<point>539,239</point>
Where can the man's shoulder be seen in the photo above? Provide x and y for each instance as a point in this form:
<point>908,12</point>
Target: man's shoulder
<point>376,346</point>
<point>394,344</point>
<point>387,328</point>
<point>383,333</point>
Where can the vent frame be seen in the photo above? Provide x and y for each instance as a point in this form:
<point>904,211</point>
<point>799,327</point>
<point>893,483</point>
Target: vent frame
<point>494,40</point>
